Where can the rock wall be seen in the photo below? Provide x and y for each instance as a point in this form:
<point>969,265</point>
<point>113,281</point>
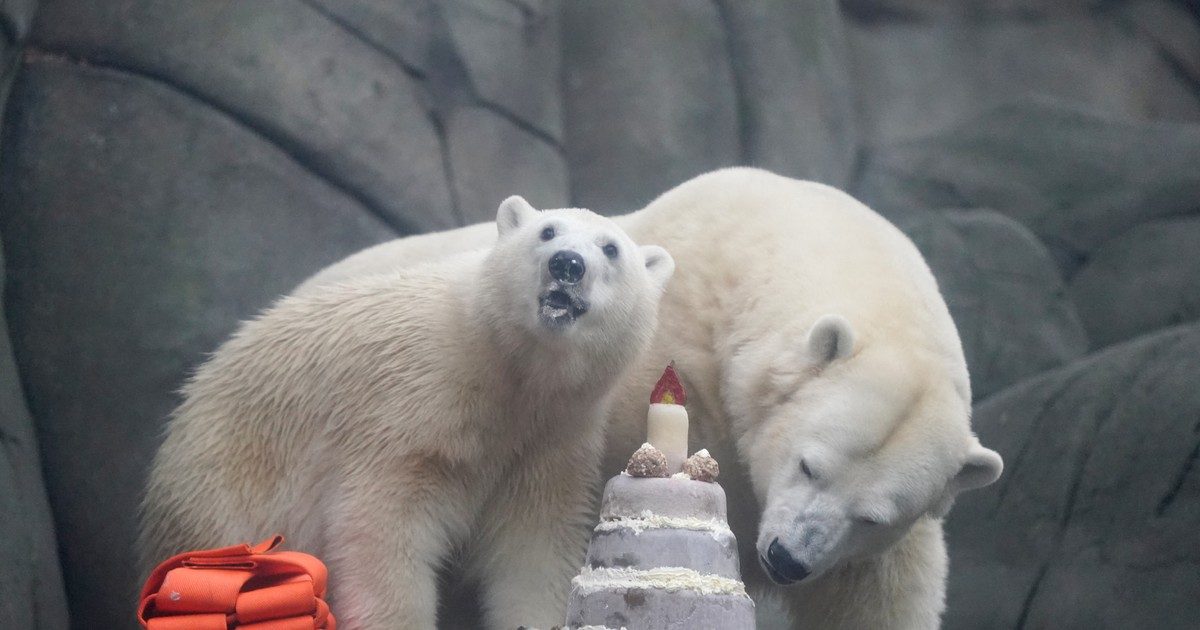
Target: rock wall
<point>31,586</point>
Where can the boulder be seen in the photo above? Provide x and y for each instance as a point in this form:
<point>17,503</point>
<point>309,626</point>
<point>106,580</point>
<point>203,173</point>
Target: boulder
<point>405,29</point>
<point>923,77</point>
<point>913,10</point>
<point>1143,280</point>
<point>1172,29</point>
<point>139,226</point>
<point>31,587</point>
<point>649,98</point>
<point>317,90</point>
<point>1075,178</point>
<point>489,73</point>
<point>1004,293</point>
<point>511,53</point>
<point>15,17</point>
<point>1094,521</point>
<point>791,68</point>
<point>492,158</point>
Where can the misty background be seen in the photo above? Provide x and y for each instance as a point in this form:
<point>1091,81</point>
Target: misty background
<point>169,168</point>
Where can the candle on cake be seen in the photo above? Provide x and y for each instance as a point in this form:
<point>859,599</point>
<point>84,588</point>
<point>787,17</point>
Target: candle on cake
<point>667,419</point>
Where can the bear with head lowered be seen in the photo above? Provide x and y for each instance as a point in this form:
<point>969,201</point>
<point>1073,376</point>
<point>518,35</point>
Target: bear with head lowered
<point>389,421</point>
<point>825,374</point>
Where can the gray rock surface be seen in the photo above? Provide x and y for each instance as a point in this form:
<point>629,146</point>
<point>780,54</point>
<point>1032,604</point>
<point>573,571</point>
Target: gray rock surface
<point>494,158</point>
<point>31,586</point>
<point>326,97</point>
<point>511,52</point>
<point>1004,292</point>
<point>1075,178</point>
<point>15,18</point>
<point>406,29</point>
<point>489,75</point>
<point>649,98</point>
<point>919,77</point>
<point>1171,28</point>
<point>1141,281</point>
<point>791,69</point>
<point>911,10</point>
<point>127,259</point>
<point>1094,522</point>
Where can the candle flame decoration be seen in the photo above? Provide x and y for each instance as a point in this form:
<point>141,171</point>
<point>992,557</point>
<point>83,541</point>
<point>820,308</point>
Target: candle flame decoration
<point>668,390</point>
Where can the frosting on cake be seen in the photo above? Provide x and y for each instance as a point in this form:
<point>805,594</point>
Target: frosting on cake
<point>669,579</point>
<point>650,520</point>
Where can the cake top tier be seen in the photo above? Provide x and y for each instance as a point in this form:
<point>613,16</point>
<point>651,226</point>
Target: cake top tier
<point>626,496</point>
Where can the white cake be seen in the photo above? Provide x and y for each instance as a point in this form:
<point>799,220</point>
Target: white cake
<point>662,557</point>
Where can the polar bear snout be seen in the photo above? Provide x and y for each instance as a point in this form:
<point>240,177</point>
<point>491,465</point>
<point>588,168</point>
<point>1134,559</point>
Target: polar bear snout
<point>781,565</point>
<point>564,299</point>
<point>561,305</point>
<point>567,267</point>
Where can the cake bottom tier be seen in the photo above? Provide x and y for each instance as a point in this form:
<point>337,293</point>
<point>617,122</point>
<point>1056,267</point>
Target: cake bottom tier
<point>639,608</point>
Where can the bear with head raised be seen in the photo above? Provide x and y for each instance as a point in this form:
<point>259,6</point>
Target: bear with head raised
<point>388,421</point>
<point>826,375</point>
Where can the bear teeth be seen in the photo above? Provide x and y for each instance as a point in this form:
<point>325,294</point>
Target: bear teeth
<point>560,307</point>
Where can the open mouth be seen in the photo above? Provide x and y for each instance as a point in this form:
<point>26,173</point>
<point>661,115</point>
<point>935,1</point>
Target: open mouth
<point>773,574</point>
<point>560,307</point>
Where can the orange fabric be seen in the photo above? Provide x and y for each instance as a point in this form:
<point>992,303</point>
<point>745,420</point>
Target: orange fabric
<point>200,590</point>
<point>292,623</point>
<point>242,586</point>
<point>212,621</point>
<point>285,600</point>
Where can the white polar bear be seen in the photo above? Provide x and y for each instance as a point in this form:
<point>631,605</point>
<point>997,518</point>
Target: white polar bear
<point>825,374</point>
<point>388,421</point>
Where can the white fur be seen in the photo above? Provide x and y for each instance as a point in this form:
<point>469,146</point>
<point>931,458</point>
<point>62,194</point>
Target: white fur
<point>806,327</point>
<point>396,421</point>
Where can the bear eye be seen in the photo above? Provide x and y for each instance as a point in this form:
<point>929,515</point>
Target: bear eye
<point>867,520</point>
<point>547,233</point>
<point>611,250</point>
<point>805,469</point>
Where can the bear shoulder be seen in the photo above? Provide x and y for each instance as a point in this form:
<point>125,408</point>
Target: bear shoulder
<point>374,339</point>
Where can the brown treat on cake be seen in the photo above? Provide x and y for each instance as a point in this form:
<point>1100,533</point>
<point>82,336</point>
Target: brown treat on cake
<point>701,466</point>
<point>647,461</point>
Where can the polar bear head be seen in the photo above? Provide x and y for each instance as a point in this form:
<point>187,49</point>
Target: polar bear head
<point>571,274</point>
<point>857,441</point>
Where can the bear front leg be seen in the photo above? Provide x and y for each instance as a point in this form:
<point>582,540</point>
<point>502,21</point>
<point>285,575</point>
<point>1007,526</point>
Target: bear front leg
<point>536,536</point>
<point>385,537</point>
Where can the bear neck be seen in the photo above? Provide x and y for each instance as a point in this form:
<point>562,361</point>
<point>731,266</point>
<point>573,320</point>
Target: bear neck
<point>556,366</point>
<point>542,364</point>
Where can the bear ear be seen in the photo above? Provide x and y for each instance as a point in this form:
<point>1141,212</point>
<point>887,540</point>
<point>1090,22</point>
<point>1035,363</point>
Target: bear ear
<point>513,213</point>
<point>659,264</point>
<point>831,338</point>
<point>981,467</point>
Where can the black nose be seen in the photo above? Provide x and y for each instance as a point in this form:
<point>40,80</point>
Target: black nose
<point>782,562</point>
<point>567,266</point>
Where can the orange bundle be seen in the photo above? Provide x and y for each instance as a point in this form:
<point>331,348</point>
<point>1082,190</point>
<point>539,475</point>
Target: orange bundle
<point>244,587</point>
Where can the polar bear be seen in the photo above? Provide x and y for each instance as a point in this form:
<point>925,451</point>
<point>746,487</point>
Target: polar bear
<point>386,422</point>
<point>826,375</point>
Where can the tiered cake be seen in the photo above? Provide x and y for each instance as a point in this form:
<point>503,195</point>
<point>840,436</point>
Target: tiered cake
<point>662,556</point>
